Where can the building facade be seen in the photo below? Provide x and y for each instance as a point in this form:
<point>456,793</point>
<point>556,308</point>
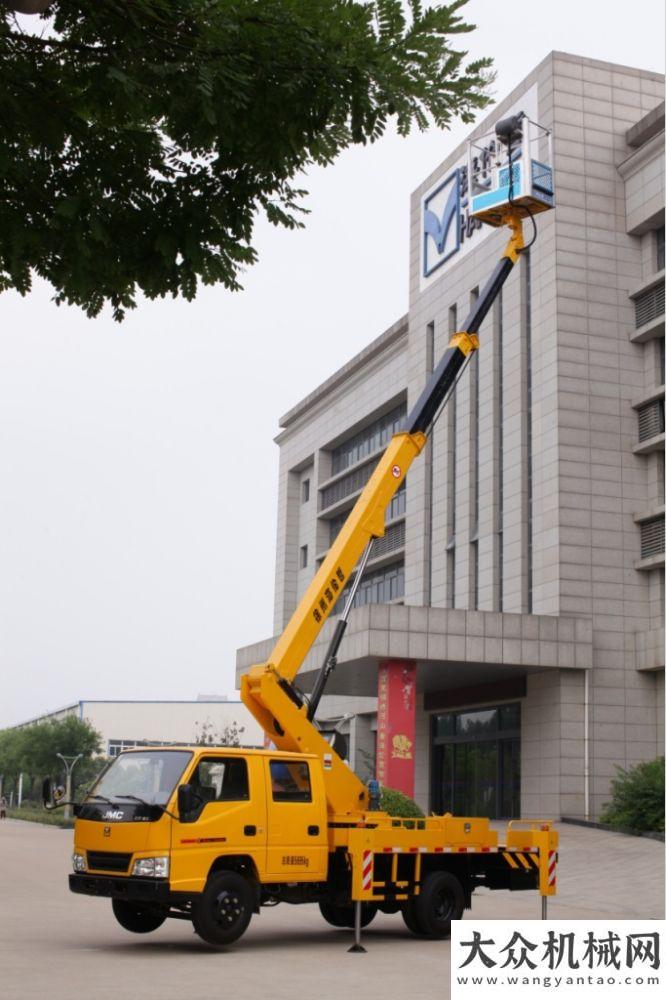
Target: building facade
<point>125,724</point>
<point>520,580</point>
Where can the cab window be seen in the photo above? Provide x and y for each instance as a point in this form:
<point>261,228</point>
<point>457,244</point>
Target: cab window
<point>221,779</point>
<point>290,782</point>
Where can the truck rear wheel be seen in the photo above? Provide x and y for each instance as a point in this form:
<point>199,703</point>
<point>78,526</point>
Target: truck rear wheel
<point>440,901</point>
<point>223,911</point>
<point>140,918</point>
<point>409,916</point>
<point>343,916</point>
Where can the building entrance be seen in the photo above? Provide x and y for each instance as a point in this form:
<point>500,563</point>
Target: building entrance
<point>476,762</point>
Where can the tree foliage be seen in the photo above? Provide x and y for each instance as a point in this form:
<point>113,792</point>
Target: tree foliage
<point>637,801</point>
<point>229,735</point>
<point>32,751</point>
<point>396,803</point>
<point>142,137</point>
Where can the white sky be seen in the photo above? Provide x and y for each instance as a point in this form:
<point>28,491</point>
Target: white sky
<point>137,467</point>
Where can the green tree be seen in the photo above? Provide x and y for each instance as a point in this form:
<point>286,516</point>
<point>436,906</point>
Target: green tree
<point>228,736</point>
<point>637,801</point>
<point>142,137</point>
<point>33,751</point>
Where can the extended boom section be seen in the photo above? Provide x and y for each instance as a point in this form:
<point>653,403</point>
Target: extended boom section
<point>267,689</point>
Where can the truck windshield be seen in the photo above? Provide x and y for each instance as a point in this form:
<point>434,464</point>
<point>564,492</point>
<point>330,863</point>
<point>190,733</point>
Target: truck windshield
<point>151,775</point>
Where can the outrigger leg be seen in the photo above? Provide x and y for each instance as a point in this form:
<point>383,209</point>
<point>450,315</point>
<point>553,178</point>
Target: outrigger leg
<point>357,946</point>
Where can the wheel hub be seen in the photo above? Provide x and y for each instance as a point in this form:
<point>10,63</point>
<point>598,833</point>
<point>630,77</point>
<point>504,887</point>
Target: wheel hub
<point>228,908</point>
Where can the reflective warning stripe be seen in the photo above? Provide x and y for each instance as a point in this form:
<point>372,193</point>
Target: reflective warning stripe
<point>507,857</point>
<point>552,867</point>
<point>367,870</point>
<point>443,850</point>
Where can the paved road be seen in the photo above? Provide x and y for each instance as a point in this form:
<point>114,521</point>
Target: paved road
<point>55,945</point>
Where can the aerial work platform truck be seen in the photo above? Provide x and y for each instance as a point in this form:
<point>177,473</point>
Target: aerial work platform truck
<point>213,834</point>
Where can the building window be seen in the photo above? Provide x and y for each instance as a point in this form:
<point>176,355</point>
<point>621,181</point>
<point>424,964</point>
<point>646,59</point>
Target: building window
<point>476,762</point>
<point>344,487</point>
<point>652,537</point>
<point>659,234</point>
<point>373,437</point>
<point>662,359</point>
<point>651,420</point>
<point>117,746</point>
<point>649,305</point>
<point>305,491</point>
<point>379,586</point>
<point>304,556</point>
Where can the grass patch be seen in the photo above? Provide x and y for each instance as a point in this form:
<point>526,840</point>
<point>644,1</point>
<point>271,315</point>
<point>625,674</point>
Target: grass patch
<point>35,814</point>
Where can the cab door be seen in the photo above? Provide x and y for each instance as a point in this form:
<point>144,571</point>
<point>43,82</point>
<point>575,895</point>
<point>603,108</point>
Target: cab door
<point>230,818</point>
<point>297,842</point>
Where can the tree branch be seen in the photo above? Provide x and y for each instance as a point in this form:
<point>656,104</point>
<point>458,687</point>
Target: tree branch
<point>32,41</point>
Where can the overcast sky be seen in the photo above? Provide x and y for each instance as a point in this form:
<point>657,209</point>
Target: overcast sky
<point>137,466</point>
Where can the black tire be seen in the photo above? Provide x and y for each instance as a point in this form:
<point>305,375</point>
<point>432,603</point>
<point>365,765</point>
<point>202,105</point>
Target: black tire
<point>409,916</point>
<point>343,916</point>
<point>222,912</point>
<point>140,918</point>
<point>440,901</point>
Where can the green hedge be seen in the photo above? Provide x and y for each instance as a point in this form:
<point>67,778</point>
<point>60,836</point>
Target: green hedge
<point>396,803</point>
<point>637,798</point>
<point>40,815</point>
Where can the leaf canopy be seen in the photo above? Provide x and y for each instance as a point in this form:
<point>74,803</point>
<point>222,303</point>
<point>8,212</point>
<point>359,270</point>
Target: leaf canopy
<point>140,138</point>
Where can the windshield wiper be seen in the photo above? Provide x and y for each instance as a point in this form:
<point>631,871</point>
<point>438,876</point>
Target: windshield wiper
<point>102,797</point>
<point>148,805</point>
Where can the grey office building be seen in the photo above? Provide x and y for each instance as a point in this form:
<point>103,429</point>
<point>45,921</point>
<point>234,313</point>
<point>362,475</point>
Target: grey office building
<point>522,568</point>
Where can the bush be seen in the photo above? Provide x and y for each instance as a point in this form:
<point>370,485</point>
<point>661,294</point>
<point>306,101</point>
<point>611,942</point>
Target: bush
<point>31,815</point>
<point>638,798</point>
<point>396,803</point>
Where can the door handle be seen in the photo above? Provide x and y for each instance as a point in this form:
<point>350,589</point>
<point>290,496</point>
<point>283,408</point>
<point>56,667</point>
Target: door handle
<point>313,831</point>
<point>250,831</point>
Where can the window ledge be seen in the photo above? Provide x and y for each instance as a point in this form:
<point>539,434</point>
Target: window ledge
<point>655,279</point>
<point>649,331</point>
<point>648,515</point>
<point>650,397</point>
<point>655,443</point>
<point>652,562</point>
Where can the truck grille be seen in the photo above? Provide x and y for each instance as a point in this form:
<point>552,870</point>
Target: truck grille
<point>107,861</point>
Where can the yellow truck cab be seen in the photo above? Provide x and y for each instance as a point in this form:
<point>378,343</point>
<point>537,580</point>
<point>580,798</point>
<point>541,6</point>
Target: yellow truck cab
<point>164,824</point>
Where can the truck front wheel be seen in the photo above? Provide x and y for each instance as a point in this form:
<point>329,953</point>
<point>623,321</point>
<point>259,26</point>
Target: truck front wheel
<point>223,911</point>
<point>140,918</point>
<point>440,901</point>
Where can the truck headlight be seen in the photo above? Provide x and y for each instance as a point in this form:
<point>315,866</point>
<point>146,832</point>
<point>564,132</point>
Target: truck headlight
<point>151,867</point>
<point>79,862</point>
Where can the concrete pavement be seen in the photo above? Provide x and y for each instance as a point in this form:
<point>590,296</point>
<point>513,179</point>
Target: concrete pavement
<point>56,945</point>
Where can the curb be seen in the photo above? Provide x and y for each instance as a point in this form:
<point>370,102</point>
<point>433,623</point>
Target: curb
<point>649,834</point>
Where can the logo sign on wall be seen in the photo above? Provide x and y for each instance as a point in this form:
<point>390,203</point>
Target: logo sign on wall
<point>448,232</point>
<point>446,221</point>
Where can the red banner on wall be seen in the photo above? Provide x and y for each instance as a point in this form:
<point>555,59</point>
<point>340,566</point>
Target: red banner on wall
<point>396,724</point>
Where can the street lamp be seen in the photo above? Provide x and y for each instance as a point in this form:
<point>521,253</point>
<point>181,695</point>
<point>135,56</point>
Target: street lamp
<point>69,763</point>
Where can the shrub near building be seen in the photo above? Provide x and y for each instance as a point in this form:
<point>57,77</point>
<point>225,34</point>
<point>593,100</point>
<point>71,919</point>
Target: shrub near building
<point>638,798</point>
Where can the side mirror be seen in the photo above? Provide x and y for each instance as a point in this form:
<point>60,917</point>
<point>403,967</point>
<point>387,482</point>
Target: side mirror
<point>47,793</point>
<point>52,797</point>
<point>188,802</point>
